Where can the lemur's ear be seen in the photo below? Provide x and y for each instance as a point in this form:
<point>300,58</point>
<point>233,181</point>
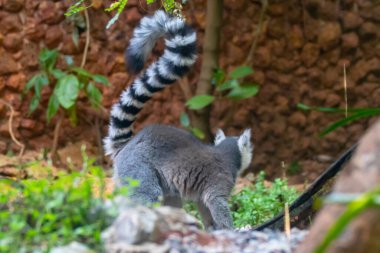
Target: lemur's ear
<point>245,148</point>
<point>244,141</point>
<point>219,137</point>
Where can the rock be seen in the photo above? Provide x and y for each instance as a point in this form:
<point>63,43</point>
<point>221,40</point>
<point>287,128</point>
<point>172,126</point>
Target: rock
<point>133,16</point>
<point>235,53</point>
<point>368,31</point>
<point>10,23</point>
<point>30,56</point>
<point>262,57</point>
<point>13,42</point>
<point>73,247</point>
<point>13,5</point>
<point>53,36</point>
<point>296,39</point>
<point>361,175</point>
<point>7,64</point>
<point>141,224</point>
<point>310,54</point>
<point>277,28</point>
<point>298,119</point>
<point>329,35</point>
<point>34,31</point>
<point>351,20</point>
<point>362,68</point>
<point>277,9</point>
<point>350,41</point>
<point>50,13</point>
<point>17,81</point>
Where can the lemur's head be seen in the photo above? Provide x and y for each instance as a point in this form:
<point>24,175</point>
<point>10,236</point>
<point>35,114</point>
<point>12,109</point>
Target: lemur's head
<point>243,143</point>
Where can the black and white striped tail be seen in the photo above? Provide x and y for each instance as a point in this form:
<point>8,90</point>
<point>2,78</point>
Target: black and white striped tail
<point>178,57</point>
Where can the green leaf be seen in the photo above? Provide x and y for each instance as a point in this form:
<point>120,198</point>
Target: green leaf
<point>40,81</point>
<point>53,107</point>
<point>243,92</point>
<point>241,71</point>
<point>75,36</point>
<point>218,77</point>
<point>184,119</point>
<point>112,21</point>
<point>48,58</point>
<point>100,79</point>
<point>69,60</point>
<point>199,102</point>
<point>82,72</point>
<point>73,115</point>
<point>57,73</point>
<point>230,84</point>
<point>198,133</point>
<point>335,110</point>
<point>347,120</point>
<point>30,83</point>
<point>94,95</point>
<point>353,209</point>
<point>67,90</point>
<point>34,103</point>
<point>113,6</point>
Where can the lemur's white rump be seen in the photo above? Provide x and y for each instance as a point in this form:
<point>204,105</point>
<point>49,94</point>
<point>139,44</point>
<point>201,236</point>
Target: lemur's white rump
<point>178,57</point>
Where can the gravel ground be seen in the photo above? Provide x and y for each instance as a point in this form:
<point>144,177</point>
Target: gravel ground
<point>242,240</point>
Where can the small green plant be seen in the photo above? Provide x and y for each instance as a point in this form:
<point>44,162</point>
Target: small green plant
<point>258,203</point>
<point>67,85</point>
<point>228,86</point>
<point>355,206</point>
<point>170,6</point>
<point>294,168</point>
<point>353,114</point>
<point>38,214</point>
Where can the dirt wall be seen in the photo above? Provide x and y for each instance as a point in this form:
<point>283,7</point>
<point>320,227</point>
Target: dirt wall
<point>299,57</point>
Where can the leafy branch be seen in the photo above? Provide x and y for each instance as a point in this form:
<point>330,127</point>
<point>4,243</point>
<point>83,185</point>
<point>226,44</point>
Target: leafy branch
<point>227,86</point>
<point>119,5</point>
<point>353,114</point>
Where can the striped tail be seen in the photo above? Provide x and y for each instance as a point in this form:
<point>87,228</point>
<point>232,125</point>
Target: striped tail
<point>178,57</point>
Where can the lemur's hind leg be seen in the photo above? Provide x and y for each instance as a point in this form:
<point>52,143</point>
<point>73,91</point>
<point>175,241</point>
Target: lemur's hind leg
<point>174,201</point>
<point>148,190</point>
<point>206,216</point>
<point>220,213</point>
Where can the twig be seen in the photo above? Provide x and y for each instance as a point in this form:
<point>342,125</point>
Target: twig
<point>54,153</point>
<point>184,85</point>
<point>287,220</point>
<point>87,38</point>
<point>99,140</point>
<point>10,129</point>
<point>345,88</point>
<point>257,32</point>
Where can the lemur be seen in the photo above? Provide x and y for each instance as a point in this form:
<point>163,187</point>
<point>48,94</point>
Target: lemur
<point>170,163</point>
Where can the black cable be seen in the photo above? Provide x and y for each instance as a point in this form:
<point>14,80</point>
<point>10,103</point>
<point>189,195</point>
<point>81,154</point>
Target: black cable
<point>306,197</point>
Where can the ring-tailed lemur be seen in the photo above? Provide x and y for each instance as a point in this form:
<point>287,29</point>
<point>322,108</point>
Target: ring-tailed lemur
<point>170,162</point>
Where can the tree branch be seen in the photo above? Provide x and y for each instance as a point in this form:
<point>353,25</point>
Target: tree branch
<point>210,62</point>
<point>10,129</point>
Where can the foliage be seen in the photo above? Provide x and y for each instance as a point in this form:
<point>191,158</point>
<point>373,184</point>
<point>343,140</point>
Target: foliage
<point>227,86</point>
<point>258,203</point>
<point>68,84</point>
<point>119,5</point>
<point>356,206</point>
<point>353,114</point>
<point>185,122</point>
<point>294,168</point>
<point>38,214</point>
